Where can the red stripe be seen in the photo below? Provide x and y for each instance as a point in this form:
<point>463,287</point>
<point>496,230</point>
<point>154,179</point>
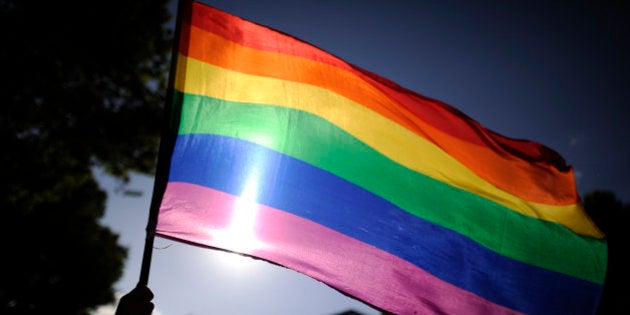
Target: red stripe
<point>434,112</point>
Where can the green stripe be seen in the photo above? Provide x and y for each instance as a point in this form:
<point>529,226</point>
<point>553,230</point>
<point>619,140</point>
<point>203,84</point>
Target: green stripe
<point>308,137</point>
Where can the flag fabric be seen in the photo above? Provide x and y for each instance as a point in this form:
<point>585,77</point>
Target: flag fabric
<point>287,153</point>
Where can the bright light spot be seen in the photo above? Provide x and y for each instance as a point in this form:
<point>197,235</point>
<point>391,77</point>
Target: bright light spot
<point>234,262</point>
<point>239,235</point>
<point>263,140</point>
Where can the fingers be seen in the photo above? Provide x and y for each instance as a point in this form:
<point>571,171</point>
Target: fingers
<point>136,302</point>
<point>143,293</point>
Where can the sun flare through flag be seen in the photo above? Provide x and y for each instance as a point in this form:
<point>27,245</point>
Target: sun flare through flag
<point>287,153</point>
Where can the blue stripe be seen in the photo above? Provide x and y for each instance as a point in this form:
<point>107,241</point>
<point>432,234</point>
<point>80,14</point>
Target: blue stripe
<point>285,183</point>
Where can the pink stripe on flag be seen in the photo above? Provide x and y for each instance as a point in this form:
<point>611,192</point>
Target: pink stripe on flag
<point>204,216</point>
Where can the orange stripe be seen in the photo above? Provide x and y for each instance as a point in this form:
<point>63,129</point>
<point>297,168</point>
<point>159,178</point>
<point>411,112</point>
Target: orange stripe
<point>438,114</point>
<point>505,171</point>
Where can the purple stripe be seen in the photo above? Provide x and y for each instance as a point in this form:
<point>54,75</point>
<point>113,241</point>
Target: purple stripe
<point>201,216</point>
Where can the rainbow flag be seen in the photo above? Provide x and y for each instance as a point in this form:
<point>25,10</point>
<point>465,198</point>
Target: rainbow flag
<point>287,153</point>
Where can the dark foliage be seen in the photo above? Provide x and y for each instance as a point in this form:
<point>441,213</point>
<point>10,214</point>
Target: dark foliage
<point>612,217</point>
<point>82,86</point>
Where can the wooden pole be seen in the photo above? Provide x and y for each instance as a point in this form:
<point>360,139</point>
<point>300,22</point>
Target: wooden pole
<point>167,141</point>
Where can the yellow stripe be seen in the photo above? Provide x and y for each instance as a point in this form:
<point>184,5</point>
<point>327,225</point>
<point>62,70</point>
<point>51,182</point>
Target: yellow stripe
<point>385,136</point>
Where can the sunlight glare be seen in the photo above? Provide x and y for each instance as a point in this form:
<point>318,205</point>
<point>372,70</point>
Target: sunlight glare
<point>239,235</point>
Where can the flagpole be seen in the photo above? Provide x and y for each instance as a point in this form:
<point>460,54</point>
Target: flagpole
<point>167,141</point>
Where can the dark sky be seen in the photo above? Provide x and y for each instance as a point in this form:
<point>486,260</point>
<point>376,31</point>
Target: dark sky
<point>556,72</point>
<point>551,71</point>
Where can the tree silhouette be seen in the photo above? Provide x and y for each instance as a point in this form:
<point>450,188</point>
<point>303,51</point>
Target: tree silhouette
<point>611,216</point>
<point>82,87</point>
